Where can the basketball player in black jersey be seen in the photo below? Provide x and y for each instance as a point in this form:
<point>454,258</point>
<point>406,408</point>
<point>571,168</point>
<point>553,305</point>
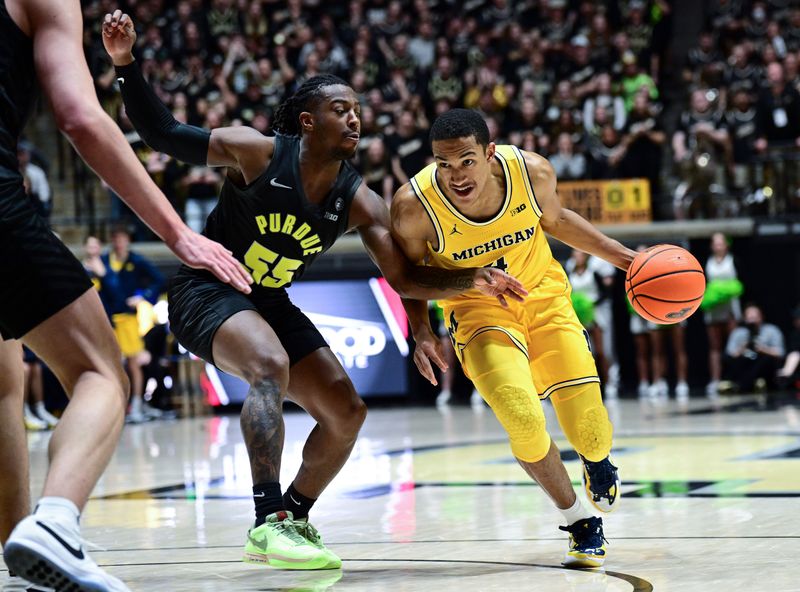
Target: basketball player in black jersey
<point>46,300</point>
<point>286,199</point>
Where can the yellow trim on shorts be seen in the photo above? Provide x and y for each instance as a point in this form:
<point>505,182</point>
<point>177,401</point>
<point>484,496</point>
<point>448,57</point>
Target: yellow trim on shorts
<point>521,346</point>
<point>567,383</point>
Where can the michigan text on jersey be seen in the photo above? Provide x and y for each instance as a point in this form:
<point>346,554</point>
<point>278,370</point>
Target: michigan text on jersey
<point>506,240</point>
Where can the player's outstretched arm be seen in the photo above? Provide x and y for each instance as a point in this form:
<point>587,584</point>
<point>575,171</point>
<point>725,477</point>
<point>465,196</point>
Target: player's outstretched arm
<point>242,148</point>
<point>391,259</point>
<point>567,226</point>
<point>396,257</point>
<point>56,28</point>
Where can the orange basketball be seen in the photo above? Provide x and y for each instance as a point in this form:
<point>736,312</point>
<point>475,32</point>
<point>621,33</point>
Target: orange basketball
<point>665,284</point>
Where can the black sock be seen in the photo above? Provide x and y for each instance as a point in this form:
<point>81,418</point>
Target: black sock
<point>267,497</point>
<point>298,504</point>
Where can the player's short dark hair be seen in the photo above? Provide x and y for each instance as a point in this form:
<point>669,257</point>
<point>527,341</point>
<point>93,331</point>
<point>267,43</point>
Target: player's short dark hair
<point>460,123</point>
<point>286,120</point>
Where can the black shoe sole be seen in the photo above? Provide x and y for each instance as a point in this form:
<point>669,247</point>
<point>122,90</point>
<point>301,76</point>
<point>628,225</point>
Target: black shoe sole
<point>39,570</point>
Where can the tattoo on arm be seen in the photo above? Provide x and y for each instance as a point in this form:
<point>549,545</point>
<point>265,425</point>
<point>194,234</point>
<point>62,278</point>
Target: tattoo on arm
<point>263,430</point>
<point>443,279</point>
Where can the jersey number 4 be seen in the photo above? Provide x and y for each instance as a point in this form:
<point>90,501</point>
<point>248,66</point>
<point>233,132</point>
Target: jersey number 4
<point>268,268</point>
<point>500,264</point>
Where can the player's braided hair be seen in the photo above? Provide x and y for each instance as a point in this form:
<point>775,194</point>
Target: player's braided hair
<point>286,120</point>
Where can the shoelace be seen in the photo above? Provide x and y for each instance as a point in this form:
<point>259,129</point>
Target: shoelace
<point>310,533</point>
<point>287,528</point>
<point>602,474</point>
<point>585,533</point>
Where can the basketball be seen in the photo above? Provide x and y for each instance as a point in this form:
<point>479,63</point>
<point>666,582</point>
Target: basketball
<point>665,284</point>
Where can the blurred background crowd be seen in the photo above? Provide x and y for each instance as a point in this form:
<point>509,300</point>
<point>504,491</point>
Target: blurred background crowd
<point>596,87</point>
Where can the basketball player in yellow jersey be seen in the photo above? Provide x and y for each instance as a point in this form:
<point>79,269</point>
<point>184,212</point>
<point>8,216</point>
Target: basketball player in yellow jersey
<point>485,205</point>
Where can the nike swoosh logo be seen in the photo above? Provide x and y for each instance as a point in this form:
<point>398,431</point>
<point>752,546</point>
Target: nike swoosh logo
<point>76,553</point>
<point>121,80</point>
<point>262,494</point>
<point>294,500</point>
<point>274,183</point>
<point>259,544</point>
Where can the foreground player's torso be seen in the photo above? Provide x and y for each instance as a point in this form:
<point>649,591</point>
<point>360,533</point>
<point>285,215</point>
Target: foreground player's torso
<point>510,240</point>
<point>272,227</point>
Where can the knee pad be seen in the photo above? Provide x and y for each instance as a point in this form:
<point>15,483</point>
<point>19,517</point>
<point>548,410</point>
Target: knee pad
<point>584,420</point>
<point>593,433</point>
<point>521,415</point>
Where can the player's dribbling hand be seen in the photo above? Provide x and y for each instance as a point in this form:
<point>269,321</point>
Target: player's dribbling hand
<point>119,36</point>
<point>497,283</point>
<point>429,348</point>
<point>199,252</point>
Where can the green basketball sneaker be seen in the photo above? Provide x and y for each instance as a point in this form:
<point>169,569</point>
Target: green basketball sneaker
<point>278,544</point>
<point>311,534</point>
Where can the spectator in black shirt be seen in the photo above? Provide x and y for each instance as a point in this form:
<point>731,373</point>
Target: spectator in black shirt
<point>376,170</point>
<point>699,148</point>
<point>740,72</point>
<point>408,146</point>
<point>778,112</point>
<point>793,30</point>
<point>643,141</point>
<point>580,70</point>
<point>742,123</point>
<point>444,84</point>
<point>703,56</point>
<point>605,153</point>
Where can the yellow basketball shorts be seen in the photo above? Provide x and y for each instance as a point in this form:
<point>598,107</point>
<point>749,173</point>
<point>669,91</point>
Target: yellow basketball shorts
<point>126,328</point>
<point>546,330</point>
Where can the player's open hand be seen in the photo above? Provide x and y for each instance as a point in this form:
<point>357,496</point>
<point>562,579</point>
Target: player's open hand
<point>119,37</point>
<point>497,283</point>
<point>199,252</point>
<point>428,349</point>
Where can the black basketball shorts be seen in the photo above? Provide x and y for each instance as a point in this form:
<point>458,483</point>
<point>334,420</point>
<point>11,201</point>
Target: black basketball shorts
<point>199,304</point>
<point>39,276</point>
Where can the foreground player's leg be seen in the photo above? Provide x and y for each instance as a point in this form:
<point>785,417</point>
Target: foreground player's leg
<point>501,373</point>
<point>245,345</point>
<point>14,481</point>
<point>584,421</point>
<point>320,385</point>
<point>46,548</point>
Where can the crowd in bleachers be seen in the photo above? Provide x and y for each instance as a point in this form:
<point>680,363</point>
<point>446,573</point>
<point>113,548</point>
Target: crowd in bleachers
<point>580,82</point>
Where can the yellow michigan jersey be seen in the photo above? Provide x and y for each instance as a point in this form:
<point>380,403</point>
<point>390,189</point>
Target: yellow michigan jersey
<point>544,327</point>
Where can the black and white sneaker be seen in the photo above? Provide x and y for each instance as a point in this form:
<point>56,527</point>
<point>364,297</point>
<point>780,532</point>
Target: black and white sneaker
<point>48,553</point>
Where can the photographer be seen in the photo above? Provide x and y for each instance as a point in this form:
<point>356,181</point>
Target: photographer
<point>753,353</point>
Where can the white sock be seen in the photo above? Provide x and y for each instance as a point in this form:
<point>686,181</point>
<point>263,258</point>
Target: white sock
<point>40,407</point>
<point>59,508</point>
<point>575,512</point>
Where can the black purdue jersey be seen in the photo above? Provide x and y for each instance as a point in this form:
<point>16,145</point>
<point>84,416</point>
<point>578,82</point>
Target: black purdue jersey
<point>18,90</point>
<point>272,227</point>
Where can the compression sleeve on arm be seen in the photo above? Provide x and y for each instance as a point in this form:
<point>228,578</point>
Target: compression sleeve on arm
<point>154,122</point>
